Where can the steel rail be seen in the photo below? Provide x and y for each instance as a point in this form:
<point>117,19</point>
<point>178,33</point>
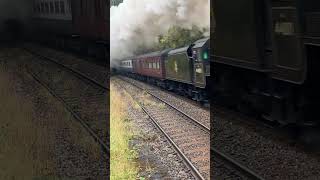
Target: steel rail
<point>194,170</point>
<point>238,166</point>
<point>69,68</point>
<point>103,145</point>
<point>207,129</point>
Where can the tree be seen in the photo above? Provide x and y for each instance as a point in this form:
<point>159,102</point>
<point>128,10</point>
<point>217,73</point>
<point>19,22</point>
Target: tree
<point>175,37</point>
<point>179,37</point>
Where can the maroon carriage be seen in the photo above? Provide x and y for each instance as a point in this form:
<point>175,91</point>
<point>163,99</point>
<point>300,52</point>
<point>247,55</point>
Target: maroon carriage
<point>79,25</point>
<point>90,19</point>
<point>150,65</point>
<point>90,23</point>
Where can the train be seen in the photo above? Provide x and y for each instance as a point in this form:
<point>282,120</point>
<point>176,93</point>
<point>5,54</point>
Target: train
<point>266,59</point>
<point>184,70</point>
<point>80,25</point>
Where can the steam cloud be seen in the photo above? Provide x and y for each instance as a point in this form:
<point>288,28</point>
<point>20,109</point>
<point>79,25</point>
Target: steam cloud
<point>139,22</point>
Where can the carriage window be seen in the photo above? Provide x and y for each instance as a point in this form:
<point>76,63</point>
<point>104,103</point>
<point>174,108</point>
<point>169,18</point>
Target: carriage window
<point>51,7</point>
<point>284,28</point>
<point>158,65</point>
<point>62,7</point>
<point>154,65</point>
<point>97,8</point>
<point>150,65</point>
<point>83,7</point>
<point>47,7</point>
<point>43,10</point>
<point>41,7</point>
<point>69,6</point>
<point>56,7</point>
<point>35,8</point>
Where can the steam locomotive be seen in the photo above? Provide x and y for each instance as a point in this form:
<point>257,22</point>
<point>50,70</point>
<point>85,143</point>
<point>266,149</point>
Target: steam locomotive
<point>266,58</point>
<point>184,70</point>
<point>80,25</point>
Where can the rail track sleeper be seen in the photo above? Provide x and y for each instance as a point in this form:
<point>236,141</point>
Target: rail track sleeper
<point>104,146</point>
<point>172,106</point>
<point>70,69</point>
<point>192,168</point>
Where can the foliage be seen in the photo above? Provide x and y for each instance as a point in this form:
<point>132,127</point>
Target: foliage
<point>179,37</point>
<point>175,37</point>
<point>122,161</point>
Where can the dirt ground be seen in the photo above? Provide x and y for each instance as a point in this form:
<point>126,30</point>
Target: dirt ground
<point>39,138</point>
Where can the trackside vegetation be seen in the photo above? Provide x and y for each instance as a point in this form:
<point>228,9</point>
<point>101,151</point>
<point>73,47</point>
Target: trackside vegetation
<point>122,158</point>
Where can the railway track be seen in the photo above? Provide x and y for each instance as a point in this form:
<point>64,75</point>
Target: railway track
<point>235,169</point>
<point>190,140</point>
<point>204,125</point>
<point>92,72</point>
<point>82,95</point>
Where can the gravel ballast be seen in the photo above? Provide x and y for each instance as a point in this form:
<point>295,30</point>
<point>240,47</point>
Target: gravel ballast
<point>154,149</point>
<point>74,153</point>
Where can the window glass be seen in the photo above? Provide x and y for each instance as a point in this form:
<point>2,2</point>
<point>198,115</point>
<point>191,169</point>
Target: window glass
<point>42,7</point>
<point>69,5</point>
<point>284,28</point>
<point>97,7</point>
<point>46,7</point>
<point>35,8</point>
<point>56,7</point>
<point>39,8</point>
<point>51,7</point>
<point>158,65</point>
<point>154,66</point>
<point>150,65</point>
<point>62,7</point>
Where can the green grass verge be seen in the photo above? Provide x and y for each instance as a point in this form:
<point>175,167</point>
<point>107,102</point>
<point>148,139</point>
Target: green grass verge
<point>122,158</point>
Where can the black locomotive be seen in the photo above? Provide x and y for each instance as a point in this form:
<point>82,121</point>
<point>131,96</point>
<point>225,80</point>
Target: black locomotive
<point>183,70</point>
<point>266,58</point>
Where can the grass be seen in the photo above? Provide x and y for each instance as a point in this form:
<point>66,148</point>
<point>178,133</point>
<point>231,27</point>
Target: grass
<point>24,152</point>
<point>122,158</point>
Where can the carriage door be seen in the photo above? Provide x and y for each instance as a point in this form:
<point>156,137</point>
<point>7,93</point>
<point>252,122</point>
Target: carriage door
<point>288,58</point>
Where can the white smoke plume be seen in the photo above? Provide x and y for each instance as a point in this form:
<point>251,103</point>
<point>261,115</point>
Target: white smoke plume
<point>139,22</point>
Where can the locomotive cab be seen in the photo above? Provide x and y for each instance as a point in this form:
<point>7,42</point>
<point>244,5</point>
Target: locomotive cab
<point>201,62</point>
